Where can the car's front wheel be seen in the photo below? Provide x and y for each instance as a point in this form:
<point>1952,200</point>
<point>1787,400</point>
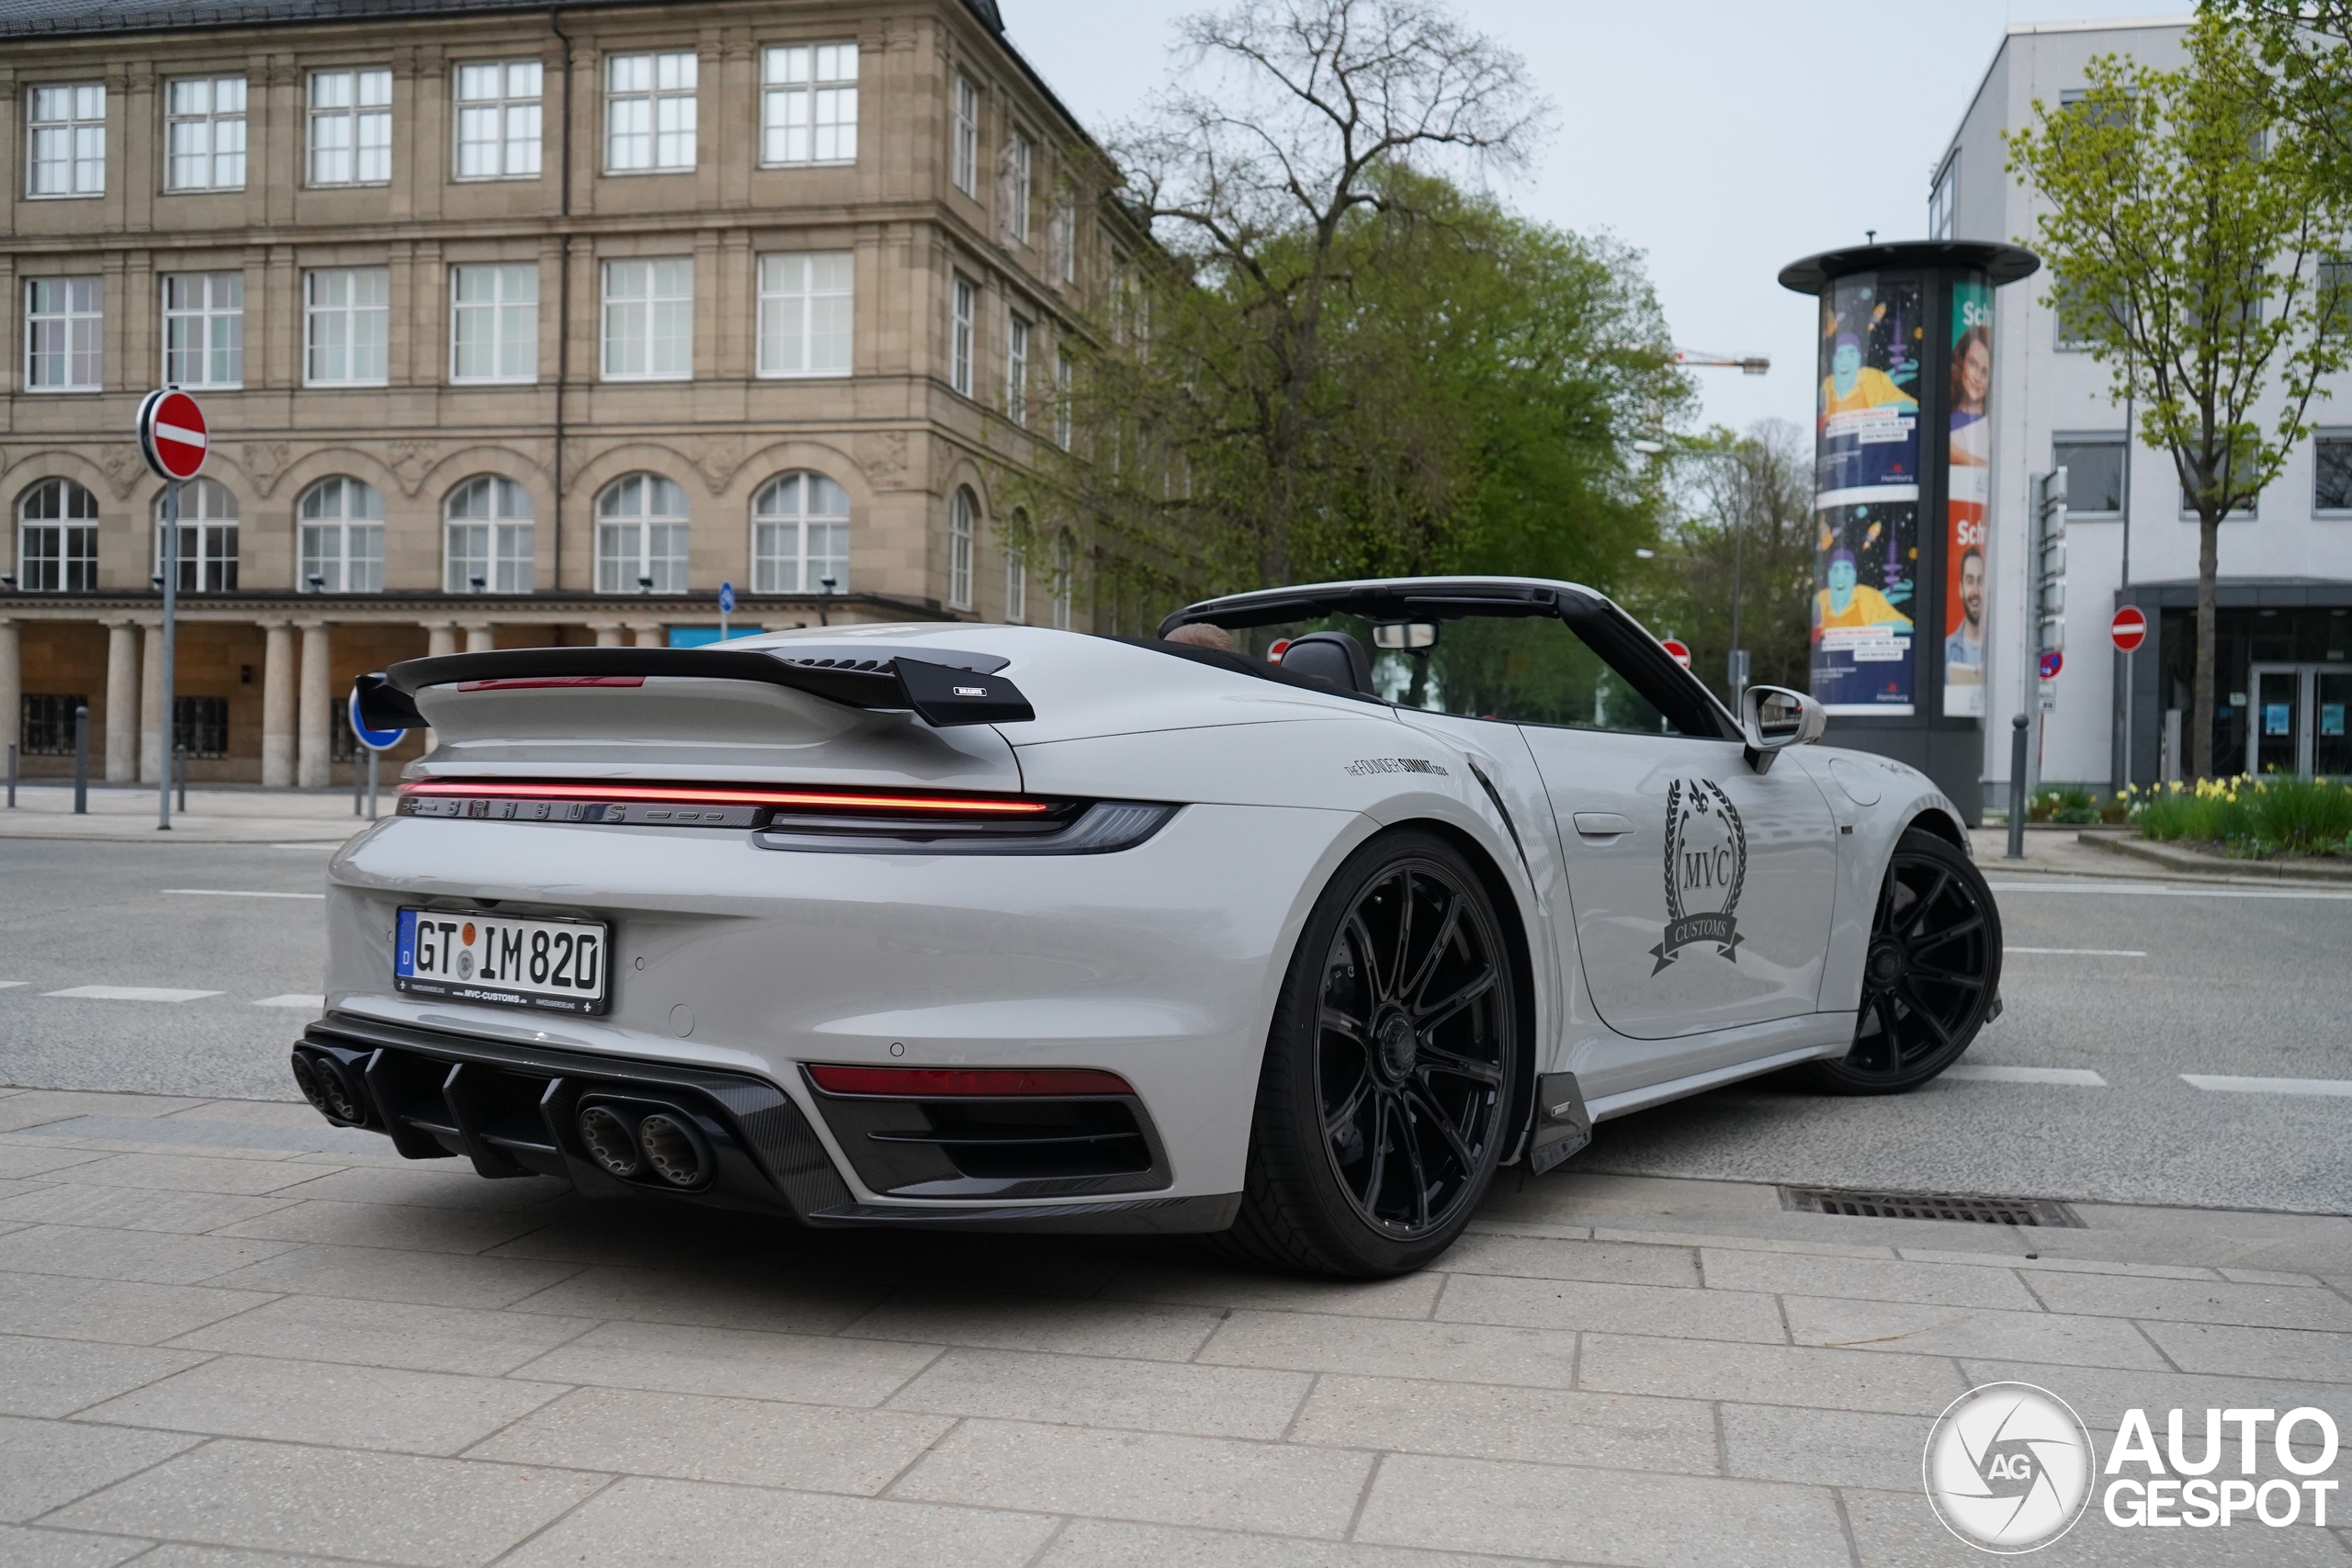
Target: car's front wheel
<point>1930,976</point>
<point>1382,1107</point>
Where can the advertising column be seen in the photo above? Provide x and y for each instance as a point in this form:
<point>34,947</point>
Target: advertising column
<point>1968,488</point>
<point>1866,498</point>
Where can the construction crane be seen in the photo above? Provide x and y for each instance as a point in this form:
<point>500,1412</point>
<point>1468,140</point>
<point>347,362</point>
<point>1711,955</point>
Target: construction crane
<point>1699,359</point>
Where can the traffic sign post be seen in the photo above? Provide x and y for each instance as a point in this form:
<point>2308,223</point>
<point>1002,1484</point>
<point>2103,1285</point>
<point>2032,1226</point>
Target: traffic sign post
<point>726,607</point>
<point>2045,626</point>
<point>375,742</point>
<point>173,439</point>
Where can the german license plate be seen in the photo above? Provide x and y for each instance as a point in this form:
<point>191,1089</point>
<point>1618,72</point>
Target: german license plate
<point>475,957</point>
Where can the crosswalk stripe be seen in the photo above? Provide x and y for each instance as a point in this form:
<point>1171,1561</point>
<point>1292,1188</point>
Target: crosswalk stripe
<point>132,994</point>
<point>1986,1072</point>
<point>2224,1084</point>
<point>2083,951</point>
<point>293,1000</point>
<point>236,893</point>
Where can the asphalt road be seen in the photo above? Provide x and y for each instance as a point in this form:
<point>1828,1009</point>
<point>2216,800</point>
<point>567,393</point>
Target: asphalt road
<point>2250,983</point>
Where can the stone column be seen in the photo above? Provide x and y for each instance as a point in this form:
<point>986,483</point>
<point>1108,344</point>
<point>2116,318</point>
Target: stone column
<point>648,634</point>
<point>311,769</point>
<point>608,633</point>
<point>277,679</point>
<point>479,639</point>
<point>442,637</point>
<point>151,704</point>
<point>122,702</point>
<point>12,689</point>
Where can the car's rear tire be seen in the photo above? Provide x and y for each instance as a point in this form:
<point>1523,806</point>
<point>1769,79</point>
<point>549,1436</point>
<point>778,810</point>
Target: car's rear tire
<point>1382,1106</point>
<point>1930,975</point>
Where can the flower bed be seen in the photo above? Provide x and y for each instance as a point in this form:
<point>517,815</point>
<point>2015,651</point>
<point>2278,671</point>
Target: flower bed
<point>2252,818</point>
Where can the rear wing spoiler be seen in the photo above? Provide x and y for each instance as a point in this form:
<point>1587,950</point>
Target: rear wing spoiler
<point>942,694</point>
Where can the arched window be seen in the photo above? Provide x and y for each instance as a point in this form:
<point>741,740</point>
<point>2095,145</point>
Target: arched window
<point>641,536</point>
<point>1016,571</point>
<point>963,521</point>
<point>207,542</point>
<point>57,538</point>
<point>343,536</point>
<point>1065,569</point>
<point>486,537</point>
<point>800,536</point>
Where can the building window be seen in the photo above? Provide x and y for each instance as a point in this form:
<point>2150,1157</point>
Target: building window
<point>1120,303</point>
<point>205,133</point>
<point>965,156</point>
<point>204,329</point>
<point>641,536</point>
<point>800,536</point>
<point>650,113</point>
<point>963,523</point>
<point>200,725</point>
<point>1016,369</point>
<point>351,128</point>
<point>63,326</point>
<point>346,323</point>
<point>964,301</point>
<point>486,537</point>
<point>1941,196</point>
<point>2095,473</point>
<point>2332,482</point>
<point>207,538</point>
<point>1061,239</point>
<point>650,320</point>
<point>809,103</point>
<point>46,726</point>
<point>498,119</point>
<point>57,539</point>
<point>1016,574</point>
<point>343,536</point>
<point>1016,194</point>
<point>495,322</point>
<point>1064,391</point>
<point>805,313</point>
<point>66,140</point>
<point>1065,568</point>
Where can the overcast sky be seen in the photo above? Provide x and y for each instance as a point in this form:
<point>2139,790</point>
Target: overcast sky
<point>1723,138</point>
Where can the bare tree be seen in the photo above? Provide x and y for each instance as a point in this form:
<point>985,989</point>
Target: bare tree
<point>1285,119</point>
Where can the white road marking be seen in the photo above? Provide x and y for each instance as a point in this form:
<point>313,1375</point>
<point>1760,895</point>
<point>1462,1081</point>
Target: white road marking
<point>2166,889</point>
<point>2083,952</point>
<point>294,1000</point>
<point>132,994</point>
<point>2079,1078</point>
<point>236,893</point>
<point>2227,1085</point>
<point>11,985</point>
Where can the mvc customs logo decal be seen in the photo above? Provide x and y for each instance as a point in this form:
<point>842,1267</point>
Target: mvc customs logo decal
<point>1706,864</point>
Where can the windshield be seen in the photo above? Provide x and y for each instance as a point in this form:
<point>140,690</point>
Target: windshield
<point>1519,668</point>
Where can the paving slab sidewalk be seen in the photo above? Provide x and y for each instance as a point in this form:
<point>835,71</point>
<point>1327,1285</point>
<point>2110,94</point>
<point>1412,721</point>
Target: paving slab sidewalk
<point>219,1337</point>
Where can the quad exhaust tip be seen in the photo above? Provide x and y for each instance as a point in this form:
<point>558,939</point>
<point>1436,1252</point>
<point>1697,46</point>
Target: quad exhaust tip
<point>328,1087</point>
<point>634,1141</point>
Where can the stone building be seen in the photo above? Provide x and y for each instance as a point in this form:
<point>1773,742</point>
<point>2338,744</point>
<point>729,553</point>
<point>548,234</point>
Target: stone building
<point>515,325</point>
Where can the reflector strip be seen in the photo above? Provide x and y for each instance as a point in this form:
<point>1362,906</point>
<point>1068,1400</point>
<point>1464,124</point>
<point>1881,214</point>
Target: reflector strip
<point>590,789</point>
<point>524,682</point>
<point>942,1083</point>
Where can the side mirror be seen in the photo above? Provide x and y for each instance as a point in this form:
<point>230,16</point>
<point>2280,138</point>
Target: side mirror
<point>1773,716</point>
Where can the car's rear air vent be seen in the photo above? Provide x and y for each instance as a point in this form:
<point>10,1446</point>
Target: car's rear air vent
<point>1978,1211</point>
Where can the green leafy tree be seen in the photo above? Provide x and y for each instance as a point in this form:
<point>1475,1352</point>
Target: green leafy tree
<point>2186,227</point>
<point>2307,45</point>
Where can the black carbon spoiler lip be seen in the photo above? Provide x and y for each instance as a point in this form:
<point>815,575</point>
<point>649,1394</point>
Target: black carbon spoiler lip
<point>942,695</point>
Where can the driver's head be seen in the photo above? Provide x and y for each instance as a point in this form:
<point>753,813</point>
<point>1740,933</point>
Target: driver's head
<point>1200,633</point>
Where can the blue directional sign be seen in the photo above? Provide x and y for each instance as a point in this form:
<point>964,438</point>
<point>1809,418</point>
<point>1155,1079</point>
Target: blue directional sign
<point>374,739</point>
<point>726,598</point>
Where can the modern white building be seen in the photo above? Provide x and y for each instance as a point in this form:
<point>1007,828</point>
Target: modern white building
<point>2284,648</point>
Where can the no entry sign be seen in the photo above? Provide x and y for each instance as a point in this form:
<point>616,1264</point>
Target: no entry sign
<point>172,435</point>
<point>2130,628</point>
<point>1678,651</point>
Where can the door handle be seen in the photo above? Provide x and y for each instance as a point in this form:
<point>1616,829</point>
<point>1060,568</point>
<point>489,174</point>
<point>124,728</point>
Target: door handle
<point>1602,824</point>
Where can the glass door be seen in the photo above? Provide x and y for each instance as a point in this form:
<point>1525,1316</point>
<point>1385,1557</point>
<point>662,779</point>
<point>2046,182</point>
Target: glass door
<point>2275,734</point>
<point>2332,697</point>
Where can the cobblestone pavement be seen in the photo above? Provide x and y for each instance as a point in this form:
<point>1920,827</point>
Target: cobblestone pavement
<point>231,1336</point>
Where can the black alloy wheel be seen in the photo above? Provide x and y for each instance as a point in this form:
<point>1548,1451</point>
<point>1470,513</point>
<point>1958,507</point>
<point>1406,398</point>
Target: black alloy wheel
<point>1930,975</point>
<point>1390,1073</point>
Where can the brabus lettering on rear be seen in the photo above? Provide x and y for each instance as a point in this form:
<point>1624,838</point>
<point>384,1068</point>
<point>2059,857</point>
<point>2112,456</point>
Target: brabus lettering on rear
<point>971,691</point>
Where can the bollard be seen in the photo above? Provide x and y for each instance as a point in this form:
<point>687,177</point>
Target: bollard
<point>179,757</point>
<point>358,788</point>
<point>81,759</point>
<point>2017,787</point>
<point>11,775</point>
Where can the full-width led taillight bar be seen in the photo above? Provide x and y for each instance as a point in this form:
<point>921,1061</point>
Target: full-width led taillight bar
<point>705,804</point>
<point>958,1083</point>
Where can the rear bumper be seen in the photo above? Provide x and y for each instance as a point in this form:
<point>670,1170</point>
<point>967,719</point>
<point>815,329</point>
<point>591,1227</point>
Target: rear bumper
<point>513,1109</point>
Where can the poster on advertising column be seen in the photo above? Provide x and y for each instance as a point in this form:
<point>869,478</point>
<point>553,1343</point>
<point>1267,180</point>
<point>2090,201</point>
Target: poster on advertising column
<point>1865,498</point>
<point>1968,492</point>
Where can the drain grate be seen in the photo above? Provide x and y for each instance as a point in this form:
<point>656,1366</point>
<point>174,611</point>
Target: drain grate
<point>2040,1211</point>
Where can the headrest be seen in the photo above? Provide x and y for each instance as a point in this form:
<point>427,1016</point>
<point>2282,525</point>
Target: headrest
<point>1334,656</point>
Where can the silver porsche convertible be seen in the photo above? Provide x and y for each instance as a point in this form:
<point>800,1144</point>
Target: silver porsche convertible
<point>1292,925</point>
